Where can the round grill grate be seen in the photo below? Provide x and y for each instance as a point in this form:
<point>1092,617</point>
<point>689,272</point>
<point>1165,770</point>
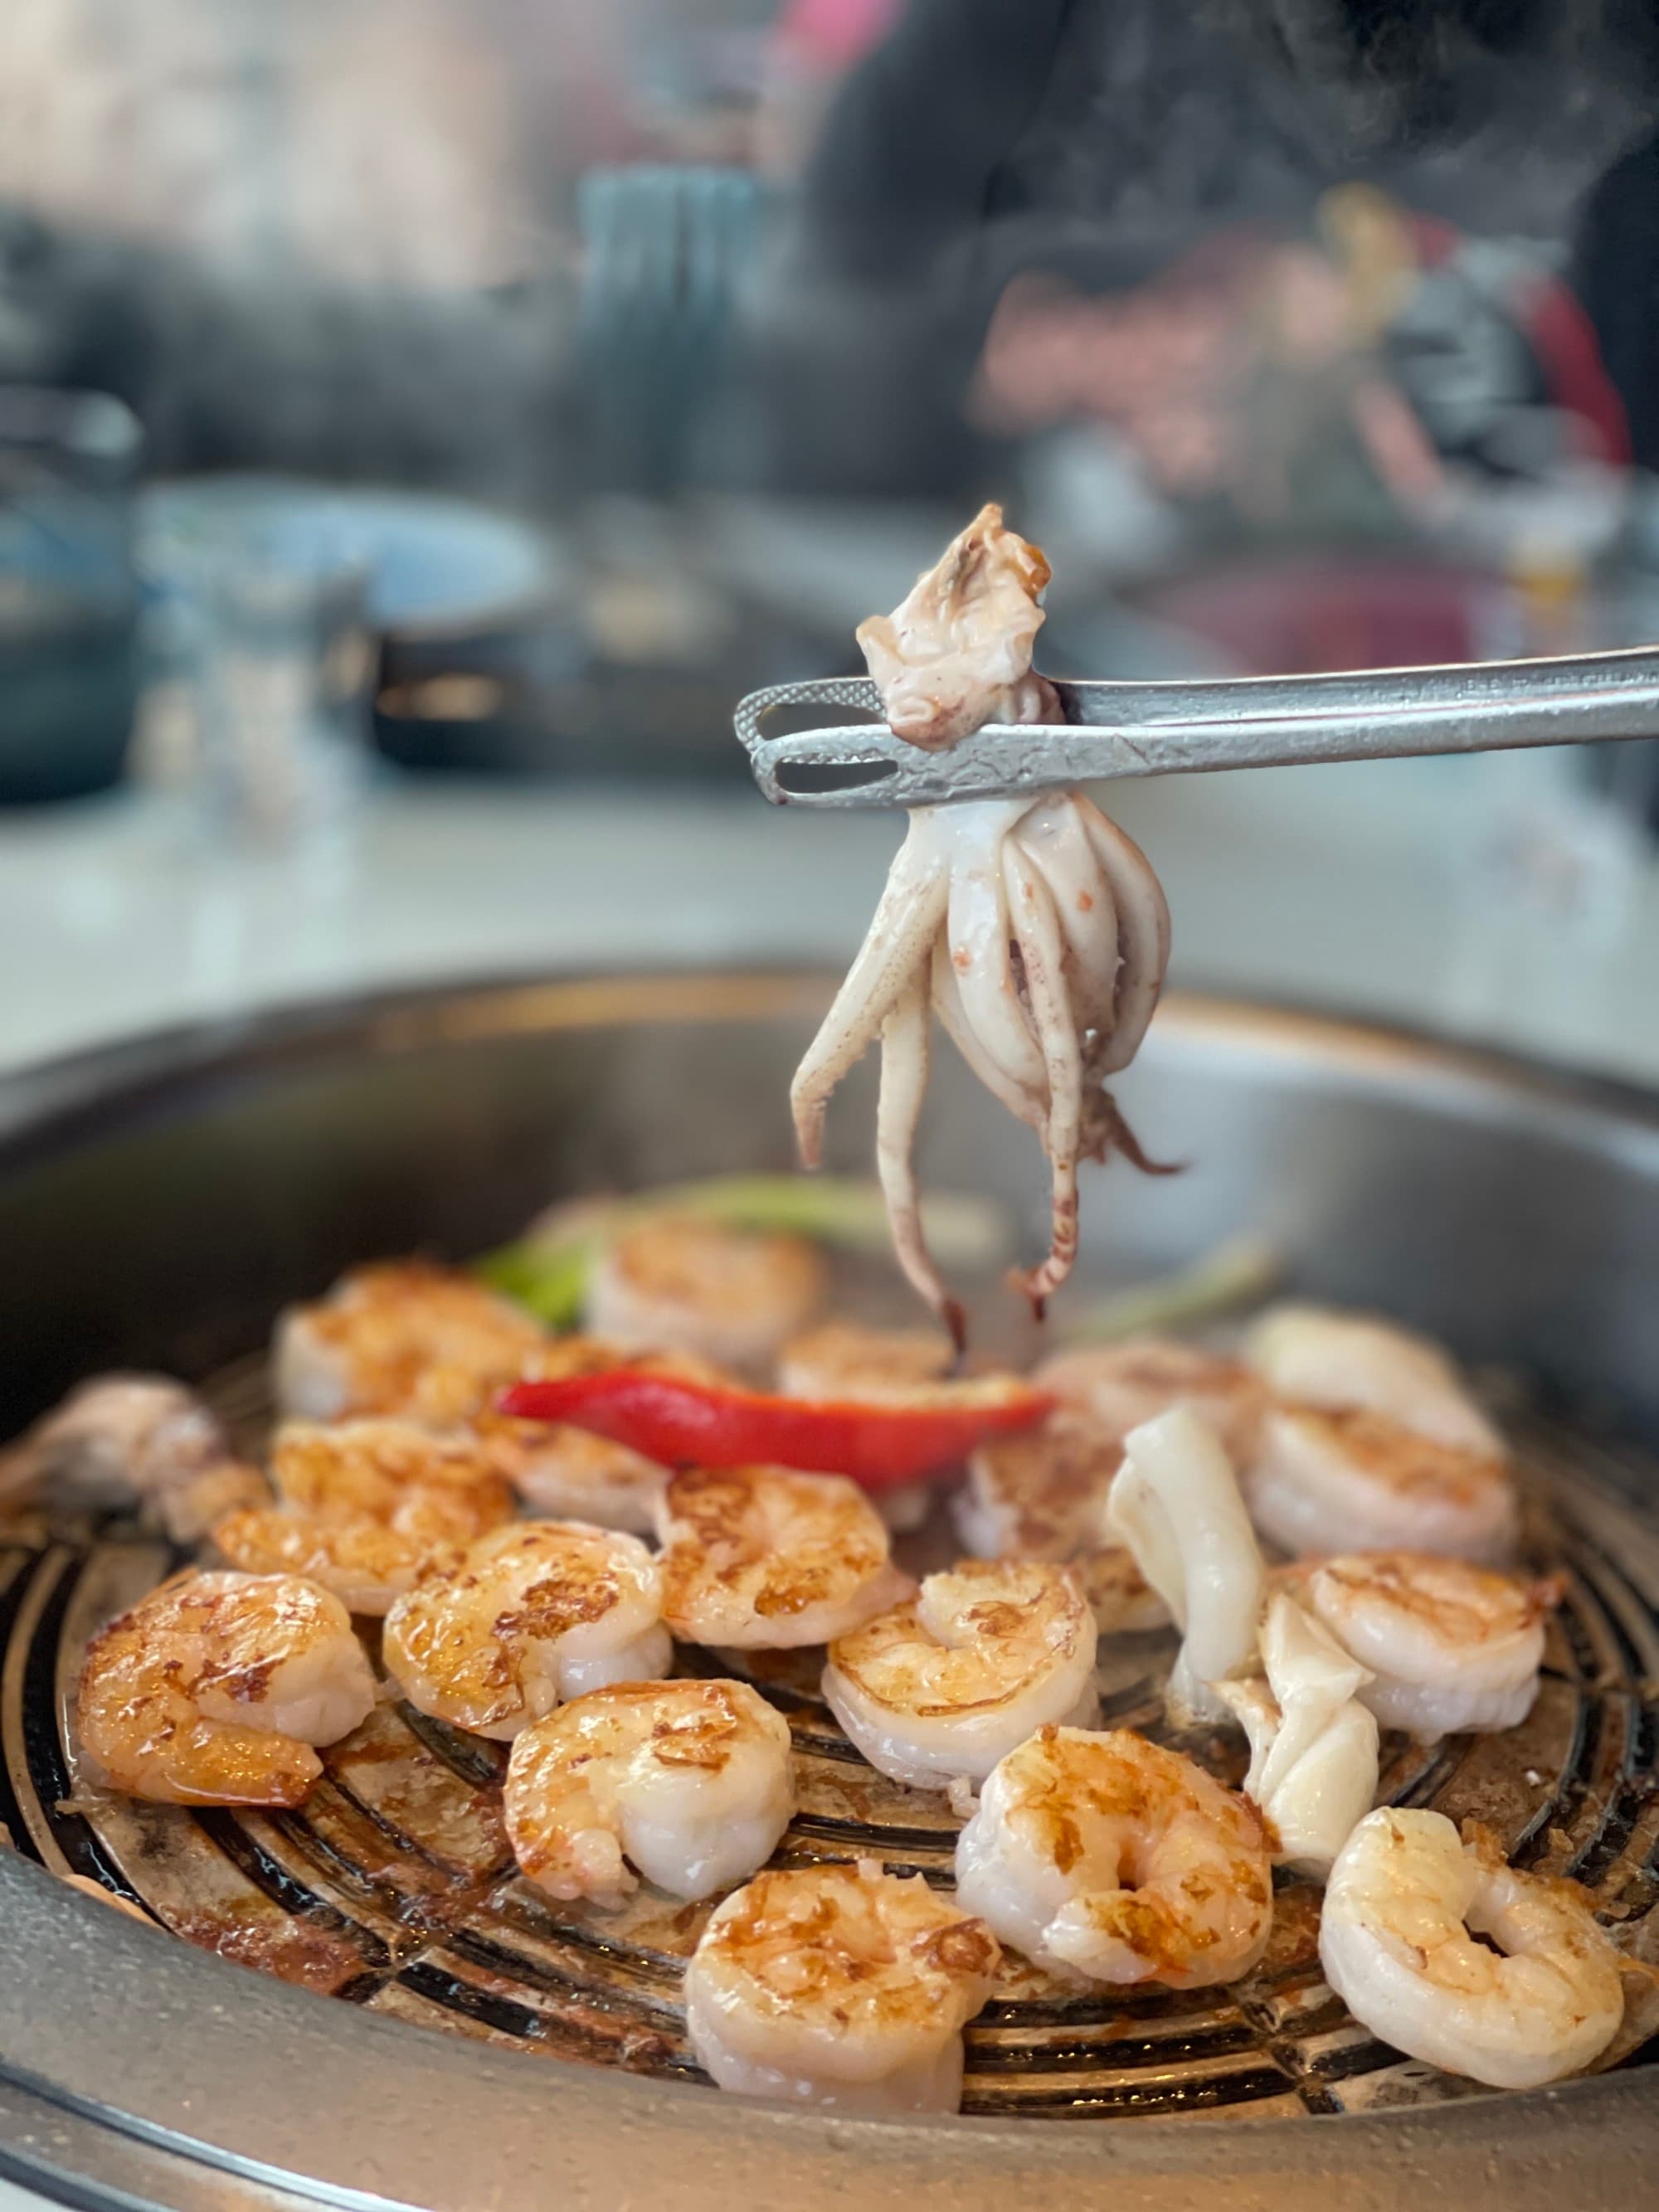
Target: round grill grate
<point>394,1887</point>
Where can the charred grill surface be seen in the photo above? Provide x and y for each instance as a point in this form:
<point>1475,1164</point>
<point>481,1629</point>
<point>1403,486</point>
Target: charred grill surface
<point>394,1887</point>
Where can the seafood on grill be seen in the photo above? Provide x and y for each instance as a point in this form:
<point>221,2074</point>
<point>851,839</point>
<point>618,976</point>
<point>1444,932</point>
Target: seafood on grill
<point>949,1682</point>
<point>425,1343</point>
<point>1175,1503</point>
<point>1122,1601</point>
<point>1042,1492</point>
<point>214,1689</point>
<point>685,1285</point>
<point>686,1783</point>
<point>1119,1386</point>
<point>564,1473</point>
<point>1447,1648</point>
<point>1105,1856</point>
<point>1312,1746</point>
<point>766,1559</point>
<point>1100,1500</point>
<point>1356,1363</point>
<point>528,1616</point>
<point>850,1359</point>
<point>1033,928</point>
<point>1357,1480</point>
<point>567,1473</point>
<point>366,1507</point>
<point>839,1987</point>
<point>120,1441</point>
<point>1440,1948</point>
<point>854,1359</point>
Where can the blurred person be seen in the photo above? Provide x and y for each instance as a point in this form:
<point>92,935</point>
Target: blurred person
<point>1118,209</point>
<point>813,46</point>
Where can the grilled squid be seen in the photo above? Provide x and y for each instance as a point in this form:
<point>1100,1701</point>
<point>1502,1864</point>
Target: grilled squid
<point>1313,1744</point>
<point>1176,1504</point>
<point>1035,929</point>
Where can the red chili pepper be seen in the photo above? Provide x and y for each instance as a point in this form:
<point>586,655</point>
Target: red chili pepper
<point>692,1424</point>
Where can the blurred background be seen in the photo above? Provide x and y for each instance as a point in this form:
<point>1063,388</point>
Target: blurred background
<point>421,420</point>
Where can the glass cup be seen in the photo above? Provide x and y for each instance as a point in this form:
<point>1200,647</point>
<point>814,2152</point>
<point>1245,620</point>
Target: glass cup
<point>69,591</point>
<point>264,662</point>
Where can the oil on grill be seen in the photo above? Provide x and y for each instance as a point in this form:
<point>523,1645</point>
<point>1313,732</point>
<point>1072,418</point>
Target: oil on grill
<point>394,1887</point>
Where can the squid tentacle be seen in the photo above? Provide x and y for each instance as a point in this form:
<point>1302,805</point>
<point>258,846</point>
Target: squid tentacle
<point>1039,936</point>
<point>1025,1105</point>
<point>980,935</point>
<point>905,1057</point>
<point>1143,932</point>
<point>898,945</point>
<point>1043,952</point>
<point>1055,837</point>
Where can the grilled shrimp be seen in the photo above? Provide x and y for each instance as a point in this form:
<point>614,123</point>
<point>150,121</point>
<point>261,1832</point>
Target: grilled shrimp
<point>1175,1503</point>
<point>1448,1646</point>
<point>1346,1362</point>
<point>405,1338</point>
<point>839,1985</point>
<point>1107,1856</point>
<point>689,1285</point>
<point>531,1613</point>
<point>880,1366</point>
<point>123,1440</point>
<point>762,1557</point>
<point>948,1683</point>
<point>568,1474</point>
<point>688,1781</point>
<point>851,1359</point>
<point>1404,1904</point>
<point>212,1689</point>
<point>1039,1493</point>
<point>366,1507</point>
<point>1313,1747</point>
<point>1122,1601</point>
<point>1121,1385</point>
<point>1361,1481</point>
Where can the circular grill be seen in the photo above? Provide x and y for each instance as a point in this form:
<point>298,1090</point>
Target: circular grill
<point>394,1887</point>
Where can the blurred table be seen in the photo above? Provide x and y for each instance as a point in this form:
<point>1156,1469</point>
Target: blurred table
<point>1356,888</point>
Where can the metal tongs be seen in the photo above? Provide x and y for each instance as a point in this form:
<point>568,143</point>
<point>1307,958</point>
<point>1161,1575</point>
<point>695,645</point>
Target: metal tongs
<point>1114,730</point>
